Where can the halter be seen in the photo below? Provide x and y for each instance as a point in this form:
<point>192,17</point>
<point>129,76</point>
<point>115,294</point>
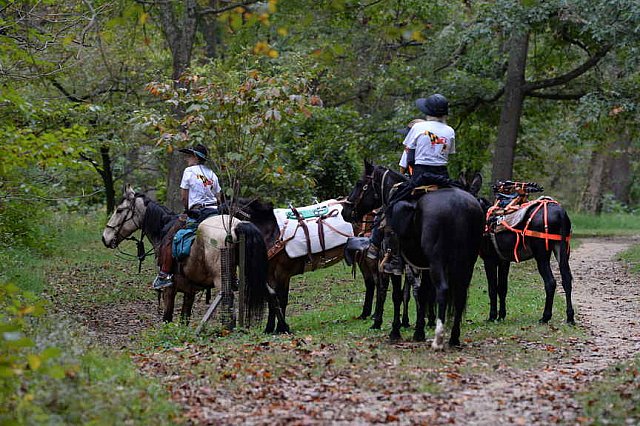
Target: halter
<point>141,253</point>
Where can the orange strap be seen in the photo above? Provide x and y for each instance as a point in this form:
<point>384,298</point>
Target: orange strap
<point>526,232</point>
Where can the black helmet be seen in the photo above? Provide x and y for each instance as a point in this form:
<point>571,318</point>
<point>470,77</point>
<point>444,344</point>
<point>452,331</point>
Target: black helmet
<point>435,105</point>
<point>200,151</point>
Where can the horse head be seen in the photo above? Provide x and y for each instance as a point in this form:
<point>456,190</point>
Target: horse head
<point>125,220</point>
<point>363,198</point>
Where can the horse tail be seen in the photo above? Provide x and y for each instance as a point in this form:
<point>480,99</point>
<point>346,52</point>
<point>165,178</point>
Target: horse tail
<point>255,269</point>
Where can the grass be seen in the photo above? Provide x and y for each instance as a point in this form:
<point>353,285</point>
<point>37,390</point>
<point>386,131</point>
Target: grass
<point>586,225</point>
<point>96,386</point>
<point>328,338</point>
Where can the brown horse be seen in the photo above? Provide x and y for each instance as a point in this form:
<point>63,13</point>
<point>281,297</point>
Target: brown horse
<point>281,266</point>
<point>201,270</point>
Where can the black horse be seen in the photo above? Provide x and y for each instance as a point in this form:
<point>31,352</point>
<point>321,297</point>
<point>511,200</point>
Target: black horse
<point>444,236</point>
<point>544,227</point>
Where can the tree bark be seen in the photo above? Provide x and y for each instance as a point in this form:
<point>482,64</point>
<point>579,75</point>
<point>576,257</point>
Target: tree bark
<point>514,93</point>
<point>592,195</point>
<point>179,25</point>
<point>620,168</point>
<point>107,179</point>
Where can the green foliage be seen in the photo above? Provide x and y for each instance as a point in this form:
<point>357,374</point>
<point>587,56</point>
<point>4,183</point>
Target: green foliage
<point>240,117</point>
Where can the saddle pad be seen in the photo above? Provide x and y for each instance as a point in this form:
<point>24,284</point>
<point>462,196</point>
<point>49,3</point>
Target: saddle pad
<point>517,217</point>
<point>336,229</point>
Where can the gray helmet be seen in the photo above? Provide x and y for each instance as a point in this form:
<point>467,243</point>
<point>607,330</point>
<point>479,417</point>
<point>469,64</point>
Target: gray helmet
<point>435,105</point>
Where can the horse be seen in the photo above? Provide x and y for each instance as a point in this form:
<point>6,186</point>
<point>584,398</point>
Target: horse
<point>544,228</point>
<point>282,267</point>
<point>444,236</point>
<point>202,269</point>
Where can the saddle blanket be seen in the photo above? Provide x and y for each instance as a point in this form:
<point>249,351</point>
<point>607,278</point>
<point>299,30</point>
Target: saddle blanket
<point>328,214</point>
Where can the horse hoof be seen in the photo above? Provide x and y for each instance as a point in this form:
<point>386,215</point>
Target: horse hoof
<point>419,337</point>
<point>492,319</point>
<point>571,321</point>
<point>405,324</point>
<point>544,320</point>
<point>395,336</point>
<point>375,326</point>
<point>455,344</point>
<point>362,317</point>
<point>431,324</point>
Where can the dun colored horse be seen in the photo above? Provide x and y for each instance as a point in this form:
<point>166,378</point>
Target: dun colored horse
<point>201,270</point>
<point>444,236</point>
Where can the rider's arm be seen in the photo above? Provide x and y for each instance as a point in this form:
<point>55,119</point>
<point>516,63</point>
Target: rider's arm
<point>184,195</point>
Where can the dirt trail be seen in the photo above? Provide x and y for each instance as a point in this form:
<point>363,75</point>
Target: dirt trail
<point>607,301</point>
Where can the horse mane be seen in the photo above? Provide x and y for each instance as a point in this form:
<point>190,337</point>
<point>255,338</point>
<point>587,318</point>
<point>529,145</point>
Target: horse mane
<point>157,218</point>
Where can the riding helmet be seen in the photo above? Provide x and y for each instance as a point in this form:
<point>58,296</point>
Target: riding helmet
<point>435,105</point>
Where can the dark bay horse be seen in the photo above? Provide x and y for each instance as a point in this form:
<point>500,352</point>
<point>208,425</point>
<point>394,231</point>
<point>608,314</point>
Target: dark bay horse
<point>543,218</point>
<point>201,270</point>
<point>444,236</point>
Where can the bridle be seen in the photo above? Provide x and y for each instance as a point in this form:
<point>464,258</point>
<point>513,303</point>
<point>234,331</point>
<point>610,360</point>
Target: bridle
<point>378,193</point>
<point>141,254</point>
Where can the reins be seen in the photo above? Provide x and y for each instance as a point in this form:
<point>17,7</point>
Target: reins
<point>141,253</point>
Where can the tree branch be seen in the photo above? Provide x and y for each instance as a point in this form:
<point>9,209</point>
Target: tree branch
<point>575,73</point>
<point>214,11</point>
<point>557,96</point>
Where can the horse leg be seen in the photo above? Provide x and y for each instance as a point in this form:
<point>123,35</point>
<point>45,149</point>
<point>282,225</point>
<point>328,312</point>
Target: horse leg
<point>459,280</point>
<point>396,281</point>
<point>283,300</point>
<point>567,279</point>
<point>169,302</point>
<point>544,268</point>
<point>409,279</point>
<point>274,311</point>
<point>430,294</point>
<point>370,287</point>
<point>187,306</point>
<point>381,297</point>
<point>503,285</point>
<point>438,280</point>
<point>420,296</point>
<point>491,269</point>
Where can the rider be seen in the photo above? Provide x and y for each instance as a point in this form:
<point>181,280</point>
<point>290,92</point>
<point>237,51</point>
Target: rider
<point>199,191</point>
<point>426,150</point>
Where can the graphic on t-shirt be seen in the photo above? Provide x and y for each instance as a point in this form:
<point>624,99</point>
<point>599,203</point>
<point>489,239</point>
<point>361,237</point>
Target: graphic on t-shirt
<point>436,140</point>
<point>205,180</point>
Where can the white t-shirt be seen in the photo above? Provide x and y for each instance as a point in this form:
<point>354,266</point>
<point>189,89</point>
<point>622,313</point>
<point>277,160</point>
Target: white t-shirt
<point>433,142</point>
<point>202,184</point>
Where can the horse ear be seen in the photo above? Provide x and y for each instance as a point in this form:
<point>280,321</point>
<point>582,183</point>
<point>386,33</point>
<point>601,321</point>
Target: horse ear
<point>476,184</point>
<point>129,193</point>
<point>368,167</point>
<point>462,179</point>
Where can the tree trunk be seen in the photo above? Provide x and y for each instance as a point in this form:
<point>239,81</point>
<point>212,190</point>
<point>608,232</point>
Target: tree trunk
<point>107,179</point>
<point>210,31</point>
<point>179,29</point>
<point>592,195</point>
<point>514,94</point>
<point>620,168</point>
